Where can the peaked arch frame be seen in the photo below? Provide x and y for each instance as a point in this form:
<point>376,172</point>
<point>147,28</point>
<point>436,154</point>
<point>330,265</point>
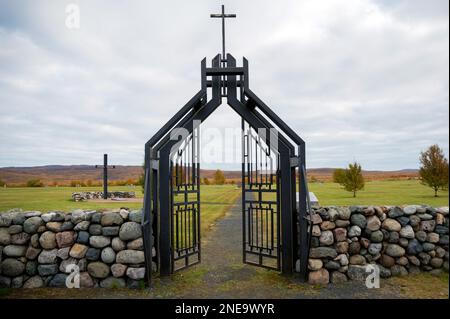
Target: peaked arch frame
<point>226,80</point>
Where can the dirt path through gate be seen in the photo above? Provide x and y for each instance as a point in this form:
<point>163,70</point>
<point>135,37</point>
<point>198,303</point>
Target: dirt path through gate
<point>223,275</point>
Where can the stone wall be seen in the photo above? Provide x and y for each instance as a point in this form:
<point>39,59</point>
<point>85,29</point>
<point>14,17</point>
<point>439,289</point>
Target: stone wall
<point>82,196</point>
<point>400,240</point>
<point>36,249</point>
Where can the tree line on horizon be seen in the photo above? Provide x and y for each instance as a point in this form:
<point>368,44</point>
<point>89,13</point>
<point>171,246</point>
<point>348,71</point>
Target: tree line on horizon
<point>433,172</point>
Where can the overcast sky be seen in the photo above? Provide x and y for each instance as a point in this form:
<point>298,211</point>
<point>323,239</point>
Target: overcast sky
<point>359,80</point>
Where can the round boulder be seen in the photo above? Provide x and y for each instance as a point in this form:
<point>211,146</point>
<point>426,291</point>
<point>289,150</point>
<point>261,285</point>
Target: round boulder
<point>54,226</point>
<point>407,232</point>
<point>326,238</point>
<point>48,256</point>
<point>414,247</point>
<point>391,225</point>
<point>387,261</point>
<point>354,248</point>
<point>409,210</point>
<point>344,213</point>
<point>421,235</point>
<point>359,220</point>
<point>375,248</point>
<point>14,250</point>
<point>5,236</point>
<point>436,262</point>
<point>315,264</point>
<point>117,244</point>
<point>118,270</point>
<point>137,256</point>
<point>373,223</point>
<point>337,277</point>
<point>136,273</point>
<point>78,251</point>
<point>354,231</point>
<point>108,255</point>
<point>340,234</point>
<point>130,231</point>
<point>135,216</point>
<point>11,267</point>
<point>48,240</point>
<point>98,270</point>
<point>322,252</point>
<point>395,212</point>
<point>319,277</point>
<point>111,219</point>
<point>34,282</point>
<point>394,250</point>
<point>32,224</point>
<point>99,241</point>
<point>137,244</point>
<point>376,236</point>
<point>433,238</point>
<point>357,260</point>
<point>65,239</point>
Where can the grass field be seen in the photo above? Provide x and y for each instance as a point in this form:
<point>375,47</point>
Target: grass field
<point>58,198</point>
<point>215,200</point>
<point>380,193</point>
<point>215,197</point>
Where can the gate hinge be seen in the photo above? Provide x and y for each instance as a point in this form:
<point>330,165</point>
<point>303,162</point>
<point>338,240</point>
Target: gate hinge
<point>294,161</point>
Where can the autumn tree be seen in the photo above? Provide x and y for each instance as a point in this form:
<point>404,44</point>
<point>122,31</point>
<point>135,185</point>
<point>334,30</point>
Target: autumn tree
<point>2,183</point>
<point>434,169</point>
<point>141,179</point>
<point>351,178</point>
<point>339,175</point>
<point>219,177</point>
<point>206,181</point>
<point>35,183</point>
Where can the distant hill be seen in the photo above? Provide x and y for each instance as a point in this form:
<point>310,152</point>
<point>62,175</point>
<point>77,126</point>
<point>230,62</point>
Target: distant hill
<point>326,174</point>
<point>64,174</point>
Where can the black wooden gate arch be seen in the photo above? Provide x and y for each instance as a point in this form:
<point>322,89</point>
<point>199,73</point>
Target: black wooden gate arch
<point>276,228</point>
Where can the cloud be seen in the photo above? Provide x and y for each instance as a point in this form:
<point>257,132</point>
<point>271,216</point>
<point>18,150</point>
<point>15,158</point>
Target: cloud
<point>364,80</point>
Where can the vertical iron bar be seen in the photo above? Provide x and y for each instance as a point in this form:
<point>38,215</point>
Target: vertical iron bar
<point>278,217</point>
<point>165,210</point>
<point>286,213</point>
<point>172,211</point>
<point>302,214</point>
<point>244,237</point>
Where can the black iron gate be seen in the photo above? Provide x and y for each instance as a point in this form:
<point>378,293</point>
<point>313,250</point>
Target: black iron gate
<point>260,202</point>
<point>275,225</point>
<point>185,203</point>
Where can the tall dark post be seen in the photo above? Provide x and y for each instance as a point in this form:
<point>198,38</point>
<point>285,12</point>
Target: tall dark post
<point>105,176</point>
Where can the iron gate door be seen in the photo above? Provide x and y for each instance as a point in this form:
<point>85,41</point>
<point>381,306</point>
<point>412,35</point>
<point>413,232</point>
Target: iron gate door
<point>185,203</point>
<point>260,202</point>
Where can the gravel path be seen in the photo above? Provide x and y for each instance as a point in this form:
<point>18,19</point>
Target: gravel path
<point>226,276</point>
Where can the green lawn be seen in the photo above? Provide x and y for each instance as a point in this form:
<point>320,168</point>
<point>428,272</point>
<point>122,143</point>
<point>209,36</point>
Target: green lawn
<point>379,193</point>
<point>58,198</point>
<point>217,198</point>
